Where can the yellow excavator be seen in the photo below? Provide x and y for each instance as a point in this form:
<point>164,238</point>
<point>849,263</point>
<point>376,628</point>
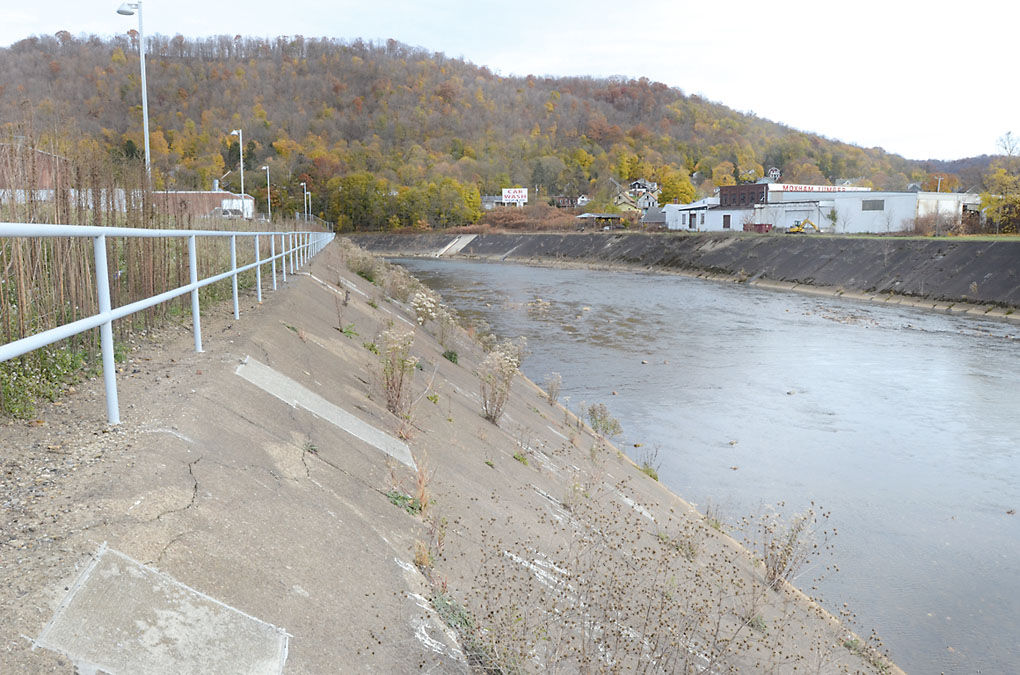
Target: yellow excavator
<point>800,227</point>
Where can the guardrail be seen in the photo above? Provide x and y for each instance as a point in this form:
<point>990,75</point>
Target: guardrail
<point>296,248</point>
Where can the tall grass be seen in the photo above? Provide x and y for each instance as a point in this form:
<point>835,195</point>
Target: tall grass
<point>47,282</point>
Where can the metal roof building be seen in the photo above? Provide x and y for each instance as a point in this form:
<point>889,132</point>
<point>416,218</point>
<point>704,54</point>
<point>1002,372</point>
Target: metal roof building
<point>833,208</point>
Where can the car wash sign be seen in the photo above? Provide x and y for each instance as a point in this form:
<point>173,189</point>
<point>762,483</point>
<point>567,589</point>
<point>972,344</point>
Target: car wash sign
<point>518,196</point>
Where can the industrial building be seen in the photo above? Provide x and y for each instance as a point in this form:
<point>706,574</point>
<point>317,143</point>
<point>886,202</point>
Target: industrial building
<point>831,208</point>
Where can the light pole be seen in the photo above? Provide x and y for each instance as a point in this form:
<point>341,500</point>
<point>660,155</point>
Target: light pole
<point>127,9</point>
<point>240,144</point>
<point>304,201</point>
<point>269,202</point>
<point>308,207</point>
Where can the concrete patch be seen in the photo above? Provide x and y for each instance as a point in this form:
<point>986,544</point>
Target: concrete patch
<point>121,616</point>
<point>557,433</point>
<point>296,395</point>
<point>346,283</point>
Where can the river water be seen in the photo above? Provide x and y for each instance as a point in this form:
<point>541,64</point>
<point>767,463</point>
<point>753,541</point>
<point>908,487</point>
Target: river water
<point>904,424</point>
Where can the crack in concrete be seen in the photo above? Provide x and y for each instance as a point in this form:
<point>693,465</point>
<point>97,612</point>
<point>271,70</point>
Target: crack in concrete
<point>194,492</point>
<point>304,461</point>
<point>163,551</point>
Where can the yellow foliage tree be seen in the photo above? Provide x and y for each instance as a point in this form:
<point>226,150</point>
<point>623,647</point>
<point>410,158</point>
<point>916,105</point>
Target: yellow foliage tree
<point>722,174</point>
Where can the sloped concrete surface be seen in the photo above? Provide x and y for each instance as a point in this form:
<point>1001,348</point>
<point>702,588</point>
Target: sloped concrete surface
<point>233,516</point>
<point>258,504</point>
<point>946,270</point>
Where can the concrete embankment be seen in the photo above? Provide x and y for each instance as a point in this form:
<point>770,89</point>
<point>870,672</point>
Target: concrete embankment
<point>958,275</point>
<point>261,510</point>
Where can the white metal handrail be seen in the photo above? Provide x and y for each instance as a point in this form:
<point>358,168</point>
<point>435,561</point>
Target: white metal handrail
<point>296,248</point>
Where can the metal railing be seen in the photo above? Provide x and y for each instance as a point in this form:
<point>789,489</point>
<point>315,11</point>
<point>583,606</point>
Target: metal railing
<point>296,248</point>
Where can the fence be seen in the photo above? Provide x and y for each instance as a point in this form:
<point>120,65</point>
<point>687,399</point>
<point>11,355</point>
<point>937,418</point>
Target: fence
<point>295,249</point>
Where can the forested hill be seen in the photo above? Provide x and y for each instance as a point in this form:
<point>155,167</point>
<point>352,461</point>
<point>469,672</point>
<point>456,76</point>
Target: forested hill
<point>397,121</point>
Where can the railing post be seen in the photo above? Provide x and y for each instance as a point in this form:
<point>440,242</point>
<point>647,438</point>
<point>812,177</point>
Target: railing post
<point>272,254</point>
<point>283,255</point>
<point>258,271</point>
<point>233,268</point>
<point>293,253</point>
<point>106,330</point>
<point>196,314</point>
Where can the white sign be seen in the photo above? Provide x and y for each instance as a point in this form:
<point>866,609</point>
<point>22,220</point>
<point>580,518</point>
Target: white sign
<point>515,195</point>
<point>791,187</point>
<point>774,174</point>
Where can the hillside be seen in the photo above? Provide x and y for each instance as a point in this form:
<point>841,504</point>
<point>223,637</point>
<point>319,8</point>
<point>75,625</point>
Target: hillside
<point>414,136</point>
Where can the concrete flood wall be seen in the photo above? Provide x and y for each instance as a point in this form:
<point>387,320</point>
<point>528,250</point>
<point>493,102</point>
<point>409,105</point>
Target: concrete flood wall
<point>938,270</point>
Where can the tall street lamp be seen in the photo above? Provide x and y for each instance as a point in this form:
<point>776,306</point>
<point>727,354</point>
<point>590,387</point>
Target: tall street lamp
<point>240,144</point>
<point>269,202</point>
<point>304,201</point>
<point>308,207</point>
<point>128,9</point>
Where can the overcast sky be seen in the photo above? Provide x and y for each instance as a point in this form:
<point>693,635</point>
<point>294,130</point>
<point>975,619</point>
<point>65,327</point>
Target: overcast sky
<point>933,79</point>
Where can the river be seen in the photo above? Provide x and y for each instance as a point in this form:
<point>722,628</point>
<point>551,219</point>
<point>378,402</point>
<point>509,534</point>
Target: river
<point>904,424</point>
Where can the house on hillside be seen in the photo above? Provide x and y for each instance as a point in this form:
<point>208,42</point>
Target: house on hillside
<point>646,201</point>
<point>641,186</point>
<point>640,195</point>
<point>625,202</point>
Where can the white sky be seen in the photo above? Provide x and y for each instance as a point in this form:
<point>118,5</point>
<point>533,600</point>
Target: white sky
<point>931,79</point>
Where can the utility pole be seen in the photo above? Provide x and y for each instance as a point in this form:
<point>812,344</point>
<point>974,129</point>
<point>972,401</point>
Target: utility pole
<point>240,145</point>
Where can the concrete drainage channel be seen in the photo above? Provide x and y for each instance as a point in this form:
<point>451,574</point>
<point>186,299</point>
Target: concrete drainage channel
<point>978,275</point>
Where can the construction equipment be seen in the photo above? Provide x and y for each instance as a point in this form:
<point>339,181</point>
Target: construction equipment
<point>800,227</point>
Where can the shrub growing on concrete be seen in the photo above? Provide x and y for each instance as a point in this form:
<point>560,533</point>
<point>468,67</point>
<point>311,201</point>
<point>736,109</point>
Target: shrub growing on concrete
<point>447,321</point>
<point>553,382</point>
<point>425,306</point>
<point>497,374</point>
<point>397,368</point>
<point>602,423</point>
<point>362,263</point>
<point>785,546</point>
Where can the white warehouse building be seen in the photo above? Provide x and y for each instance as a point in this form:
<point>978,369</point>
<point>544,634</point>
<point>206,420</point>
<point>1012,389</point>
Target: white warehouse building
<point>836,209</point>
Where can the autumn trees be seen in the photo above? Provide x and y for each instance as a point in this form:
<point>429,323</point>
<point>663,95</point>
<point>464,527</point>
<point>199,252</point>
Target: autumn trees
<point>387,135</point>
<point>364,201</point>
<point>1001,200</point>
